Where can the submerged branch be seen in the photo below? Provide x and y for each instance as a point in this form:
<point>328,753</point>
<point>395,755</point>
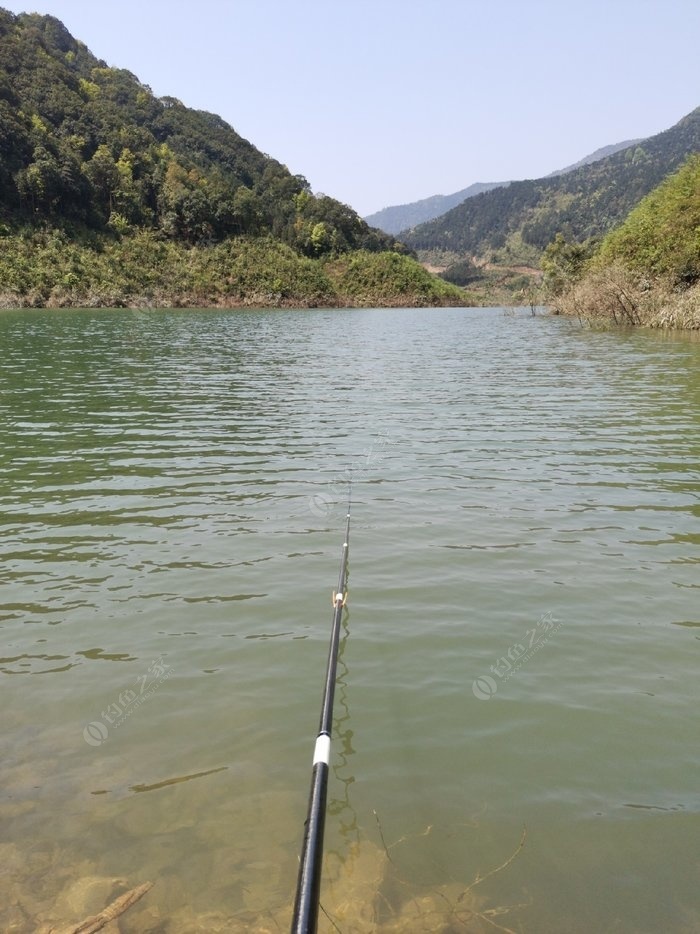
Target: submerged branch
<point>479,878</point>
<point>110,913</point>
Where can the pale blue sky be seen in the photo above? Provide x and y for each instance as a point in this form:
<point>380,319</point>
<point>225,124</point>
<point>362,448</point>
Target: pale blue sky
<point>382,102</point>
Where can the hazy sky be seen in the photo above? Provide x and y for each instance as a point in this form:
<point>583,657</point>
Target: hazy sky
<point>382,102</point>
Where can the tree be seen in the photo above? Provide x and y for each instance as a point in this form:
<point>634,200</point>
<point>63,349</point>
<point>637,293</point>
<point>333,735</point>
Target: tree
<point>40,182</point>
<point>103,174</point>
<point>563,263</point>
<point>320,238</point>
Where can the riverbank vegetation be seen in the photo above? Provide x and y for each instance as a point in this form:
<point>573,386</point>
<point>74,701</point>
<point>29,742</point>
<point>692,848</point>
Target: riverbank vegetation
<point>645,272</point>
<point>50,268</point>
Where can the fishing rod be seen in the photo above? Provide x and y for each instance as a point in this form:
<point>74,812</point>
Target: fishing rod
<point>305,918</point>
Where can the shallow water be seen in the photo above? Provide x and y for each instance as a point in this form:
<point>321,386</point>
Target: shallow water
<point>520,648</point>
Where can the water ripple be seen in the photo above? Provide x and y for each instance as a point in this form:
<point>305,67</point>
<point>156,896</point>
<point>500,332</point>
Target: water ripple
<point>519,646</point>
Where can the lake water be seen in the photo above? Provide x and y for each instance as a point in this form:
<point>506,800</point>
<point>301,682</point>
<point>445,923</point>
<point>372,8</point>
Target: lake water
<point>520,652</point>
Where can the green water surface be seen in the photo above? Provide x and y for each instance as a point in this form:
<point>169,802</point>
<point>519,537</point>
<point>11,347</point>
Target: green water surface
<point>520,649</point>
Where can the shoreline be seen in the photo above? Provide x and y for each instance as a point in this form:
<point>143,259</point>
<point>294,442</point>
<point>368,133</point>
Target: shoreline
<point>27,303</point>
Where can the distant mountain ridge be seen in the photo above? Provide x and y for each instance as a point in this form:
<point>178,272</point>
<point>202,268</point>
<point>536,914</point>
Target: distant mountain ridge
<point>402,216</point>
<point>405,216</point>
<point>504,224</point>
<point>596,156</point>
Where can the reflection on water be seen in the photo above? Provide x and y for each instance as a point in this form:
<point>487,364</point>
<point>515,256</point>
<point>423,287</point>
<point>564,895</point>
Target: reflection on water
<point>339,801</point>
<point>172,493</point>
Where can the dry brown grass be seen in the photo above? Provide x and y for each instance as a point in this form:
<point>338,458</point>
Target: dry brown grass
<point>616,296</point>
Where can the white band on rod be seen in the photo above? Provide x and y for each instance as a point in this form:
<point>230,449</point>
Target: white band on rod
<point>322,749</point>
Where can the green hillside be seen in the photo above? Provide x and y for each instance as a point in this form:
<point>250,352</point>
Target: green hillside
<point>90,158</point>
<point>515,224</point>
<point>661,237</point>
<point>647,270</point>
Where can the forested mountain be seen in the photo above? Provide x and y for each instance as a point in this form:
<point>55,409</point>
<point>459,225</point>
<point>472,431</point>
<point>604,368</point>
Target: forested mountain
<point>402,216</point>
<point>525,217</point>
<point>110,196</point>
<point>89,145</point>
